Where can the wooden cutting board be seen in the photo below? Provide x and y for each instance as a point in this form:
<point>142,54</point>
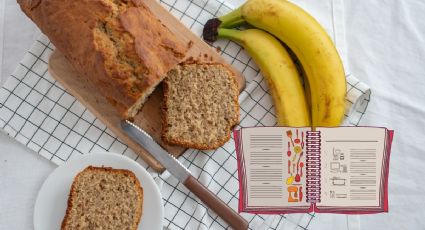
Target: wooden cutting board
<point>149,118</point>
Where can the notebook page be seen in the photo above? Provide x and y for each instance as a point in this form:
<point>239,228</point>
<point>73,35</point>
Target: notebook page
<point>351,165</point>
<point>274,159</point>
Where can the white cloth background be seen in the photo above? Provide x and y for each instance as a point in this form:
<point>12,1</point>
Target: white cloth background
<point>385,47</point>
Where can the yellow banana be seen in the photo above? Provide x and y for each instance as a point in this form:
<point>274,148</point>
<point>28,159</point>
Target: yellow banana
<point>310,43</point>
<point>280,72</point>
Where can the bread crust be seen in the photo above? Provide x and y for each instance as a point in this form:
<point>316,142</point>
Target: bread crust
<point>188,144</point>
<point>119,46</point>
<point>126,172</point>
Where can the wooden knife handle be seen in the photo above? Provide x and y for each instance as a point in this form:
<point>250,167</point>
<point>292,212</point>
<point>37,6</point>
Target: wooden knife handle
<point>236,221</point>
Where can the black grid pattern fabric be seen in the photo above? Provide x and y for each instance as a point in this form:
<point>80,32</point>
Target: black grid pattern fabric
<point>41,114</point>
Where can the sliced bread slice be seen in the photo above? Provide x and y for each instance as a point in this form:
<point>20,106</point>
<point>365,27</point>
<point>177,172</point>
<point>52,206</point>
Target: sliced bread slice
<point>200,105</point>
<point>104,198</point>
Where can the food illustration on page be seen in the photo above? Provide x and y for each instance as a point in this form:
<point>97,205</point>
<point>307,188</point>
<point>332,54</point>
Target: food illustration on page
<point>295,161</point>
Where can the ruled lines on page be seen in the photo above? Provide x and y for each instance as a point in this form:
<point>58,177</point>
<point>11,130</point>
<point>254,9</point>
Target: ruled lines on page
<point>351,161</point>
<point>267,165</point>
<point>363,173</point>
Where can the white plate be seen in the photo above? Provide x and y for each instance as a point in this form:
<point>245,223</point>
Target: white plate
<point>52,198</point>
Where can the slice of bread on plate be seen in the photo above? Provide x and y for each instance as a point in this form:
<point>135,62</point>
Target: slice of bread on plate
<point>200,105</point>
<point>104,198</point>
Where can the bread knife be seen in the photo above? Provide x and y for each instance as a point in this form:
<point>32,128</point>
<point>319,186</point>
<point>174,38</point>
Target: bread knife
<point>178,170</point>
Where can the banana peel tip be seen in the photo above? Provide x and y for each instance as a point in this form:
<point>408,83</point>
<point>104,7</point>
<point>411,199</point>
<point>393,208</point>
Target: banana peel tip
<point>210,31</point>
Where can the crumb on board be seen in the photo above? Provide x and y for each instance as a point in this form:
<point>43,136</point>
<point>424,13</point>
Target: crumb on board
<point>190,44</point>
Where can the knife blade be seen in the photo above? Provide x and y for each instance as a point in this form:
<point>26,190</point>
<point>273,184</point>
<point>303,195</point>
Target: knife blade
<point>178,170</point>
<point>175,167</point>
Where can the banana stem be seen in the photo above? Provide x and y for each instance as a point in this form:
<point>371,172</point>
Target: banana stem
<point>232,19</point>
<point>231,34</point>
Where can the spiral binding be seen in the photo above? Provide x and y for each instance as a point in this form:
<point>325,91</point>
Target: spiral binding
<point>313,166</point>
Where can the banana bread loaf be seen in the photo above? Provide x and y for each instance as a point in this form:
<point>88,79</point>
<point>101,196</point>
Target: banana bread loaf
<point>118,45</point>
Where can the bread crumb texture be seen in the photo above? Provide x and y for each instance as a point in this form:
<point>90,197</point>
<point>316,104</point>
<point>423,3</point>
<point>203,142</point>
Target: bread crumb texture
<point>104,198</point>
<point>200,105</point>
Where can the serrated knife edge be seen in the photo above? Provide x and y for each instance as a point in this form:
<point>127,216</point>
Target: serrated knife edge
<point>174,166</point>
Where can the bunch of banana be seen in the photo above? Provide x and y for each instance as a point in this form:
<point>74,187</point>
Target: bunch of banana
<point>311,45</point>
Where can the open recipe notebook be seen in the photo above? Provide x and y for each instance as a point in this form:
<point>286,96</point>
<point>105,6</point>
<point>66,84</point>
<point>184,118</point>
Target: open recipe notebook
<point>333,170</point>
